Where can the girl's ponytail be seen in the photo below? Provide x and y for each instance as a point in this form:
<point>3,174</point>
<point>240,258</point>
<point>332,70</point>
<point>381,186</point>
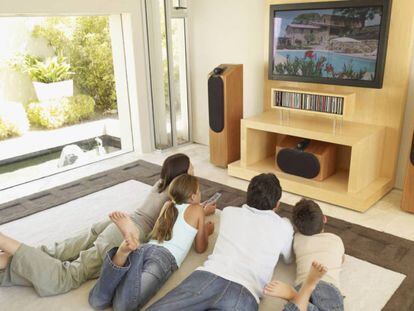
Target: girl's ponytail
<point>163,227</point>
<point>180,191</point>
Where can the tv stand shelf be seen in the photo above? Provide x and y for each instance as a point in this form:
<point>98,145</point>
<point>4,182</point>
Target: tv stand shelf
<point>357,183</point>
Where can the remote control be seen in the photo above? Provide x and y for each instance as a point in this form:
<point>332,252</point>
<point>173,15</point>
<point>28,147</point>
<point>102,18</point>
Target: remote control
<point>213,199</point>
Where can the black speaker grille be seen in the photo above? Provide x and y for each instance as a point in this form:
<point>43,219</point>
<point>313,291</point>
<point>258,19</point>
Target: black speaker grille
<point>412,151</point>
<point>216,103</point>
<point>299,163</point>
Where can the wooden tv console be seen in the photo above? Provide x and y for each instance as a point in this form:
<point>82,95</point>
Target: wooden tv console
<point>357,183</point>
<point>367,131</point>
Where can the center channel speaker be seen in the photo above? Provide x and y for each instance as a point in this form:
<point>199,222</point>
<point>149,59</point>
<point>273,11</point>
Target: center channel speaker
<point>225,110</point>
<point>408,193</point>
<point>306,158</point>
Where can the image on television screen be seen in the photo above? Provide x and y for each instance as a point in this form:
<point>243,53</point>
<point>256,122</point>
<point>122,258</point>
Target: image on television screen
<point>339,43</point>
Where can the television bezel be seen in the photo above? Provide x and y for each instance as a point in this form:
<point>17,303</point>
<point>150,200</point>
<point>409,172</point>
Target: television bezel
<point>382,47</point>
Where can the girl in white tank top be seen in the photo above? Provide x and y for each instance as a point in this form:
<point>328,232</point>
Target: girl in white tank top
<point>133,273</point>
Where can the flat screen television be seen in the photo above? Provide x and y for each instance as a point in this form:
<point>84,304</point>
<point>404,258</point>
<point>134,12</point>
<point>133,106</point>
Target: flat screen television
<point>339,42</point>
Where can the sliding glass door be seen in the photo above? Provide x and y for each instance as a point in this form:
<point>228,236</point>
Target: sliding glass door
<point>167,38</point>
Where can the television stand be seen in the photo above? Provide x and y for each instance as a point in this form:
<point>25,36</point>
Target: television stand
<point>357,183</point>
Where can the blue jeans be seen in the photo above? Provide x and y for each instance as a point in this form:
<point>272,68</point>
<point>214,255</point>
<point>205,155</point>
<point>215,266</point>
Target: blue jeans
<point>206,291</point>
<point>131,286</point>
<point>325,297</point>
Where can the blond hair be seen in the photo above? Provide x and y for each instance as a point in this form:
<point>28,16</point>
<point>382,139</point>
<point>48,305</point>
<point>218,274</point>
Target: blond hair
<point>180,191</point>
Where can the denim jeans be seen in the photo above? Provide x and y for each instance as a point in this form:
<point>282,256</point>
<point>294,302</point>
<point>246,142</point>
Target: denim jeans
<point>206,291</point>
<point>325,297</point>
<point>131,286</point>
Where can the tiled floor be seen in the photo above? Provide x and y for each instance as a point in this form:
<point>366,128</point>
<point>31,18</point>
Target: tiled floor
<point>383,216</point>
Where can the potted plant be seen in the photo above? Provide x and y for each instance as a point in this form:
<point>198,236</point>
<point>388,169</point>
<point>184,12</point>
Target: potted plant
<point>51,77</point>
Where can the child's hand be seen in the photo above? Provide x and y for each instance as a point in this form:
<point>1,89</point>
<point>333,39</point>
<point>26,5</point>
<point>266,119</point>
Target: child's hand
<point>209,227</point>
<point>210,209</point>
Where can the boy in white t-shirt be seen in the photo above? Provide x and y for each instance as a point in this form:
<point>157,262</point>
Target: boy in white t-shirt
<point>312,244</point>
<point>250,241</point>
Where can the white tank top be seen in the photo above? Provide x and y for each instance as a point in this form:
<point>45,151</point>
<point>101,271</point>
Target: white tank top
<point>183,236</point>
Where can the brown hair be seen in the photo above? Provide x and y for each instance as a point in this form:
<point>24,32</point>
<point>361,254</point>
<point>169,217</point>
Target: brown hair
<point>180,191</point>
<point>172,167</point>
<point>308,217</point>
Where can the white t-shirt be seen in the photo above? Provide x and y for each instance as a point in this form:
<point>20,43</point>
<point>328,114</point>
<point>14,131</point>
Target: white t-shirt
<point>248,247</point>
<point>326,248</point>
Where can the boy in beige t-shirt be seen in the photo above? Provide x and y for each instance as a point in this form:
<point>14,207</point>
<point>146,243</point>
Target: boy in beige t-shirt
<point>312,244</point>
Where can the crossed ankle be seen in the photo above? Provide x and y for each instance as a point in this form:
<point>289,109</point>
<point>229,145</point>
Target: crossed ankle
<point>123,252</point>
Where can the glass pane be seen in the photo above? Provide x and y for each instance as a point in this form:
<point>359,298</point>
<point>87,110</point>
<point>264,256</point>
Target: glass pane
<point>180,79</point>
<point>159,74</point>
<point>58,101</point>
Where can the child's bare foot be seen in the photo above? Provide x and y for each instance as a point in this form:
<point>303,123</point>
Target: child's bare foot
<point>316,272</point>
<point>121,255</point>
<point>127,227</point>
<point>4,260</point>
<point>280,290</point>
<point>128,246</point>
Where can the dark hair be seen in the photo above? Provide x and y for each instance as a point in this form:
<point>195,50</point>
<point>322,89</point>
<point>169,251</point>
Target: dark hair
<point>308,217</point>
<point>180,191</point>
<point>264,192</point>
<point>172,167</point>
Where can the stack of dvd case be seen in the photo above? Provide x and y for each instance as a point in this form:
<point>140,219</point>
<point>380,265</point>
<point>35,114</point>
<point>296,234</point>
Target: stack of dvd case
<point>311,102</point>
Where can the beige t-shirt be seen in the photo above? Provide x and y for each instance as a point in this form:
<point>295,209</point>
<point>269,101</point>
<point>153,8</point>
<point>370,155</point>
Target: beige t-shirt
<point>147,214</point>
<point>326,248</point>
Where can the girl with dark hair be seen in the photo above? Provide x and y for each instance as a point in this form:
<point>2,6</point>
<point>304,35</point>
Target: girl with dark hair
<point>146,215</point>
<point>68,264</point>
<point>173,166</point>
<point>133,273</point>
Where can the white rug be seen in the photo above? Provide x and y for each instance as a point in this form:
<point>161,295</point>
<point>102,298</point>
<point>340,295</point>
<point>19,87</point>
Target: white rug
<point>366,287</point>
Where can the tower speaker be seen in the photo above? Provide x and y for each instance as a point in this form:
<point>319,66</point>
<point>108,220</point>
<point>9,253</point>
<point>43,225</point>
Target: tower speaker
<point>225,110</point>
<point>408,193</point>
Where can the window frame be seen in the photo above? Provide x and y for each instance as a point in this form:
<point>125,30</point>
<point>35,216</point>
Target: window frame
<point>131,64</point>
<point>170,13</point>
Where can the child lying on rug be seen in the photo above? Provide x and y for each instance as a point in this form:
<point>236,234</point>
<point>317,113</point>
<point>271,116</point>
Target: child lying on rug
<point>70,263</point>
<point>133,273</point>
<point>312,244</point>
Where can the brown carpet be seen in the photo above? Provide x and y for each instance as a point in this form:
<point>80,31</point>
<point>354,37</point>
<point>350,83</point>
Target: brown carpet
<point>373,246</point>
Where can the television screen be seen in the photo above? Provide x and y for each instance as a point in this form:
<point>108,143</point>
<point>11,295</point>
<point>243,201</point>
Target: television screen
<point>333,42</point>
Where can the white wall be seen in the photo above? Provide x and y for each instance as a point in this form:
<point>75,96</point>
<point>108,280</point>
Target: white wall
<point>407,134</point>
<point>225,31</point>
